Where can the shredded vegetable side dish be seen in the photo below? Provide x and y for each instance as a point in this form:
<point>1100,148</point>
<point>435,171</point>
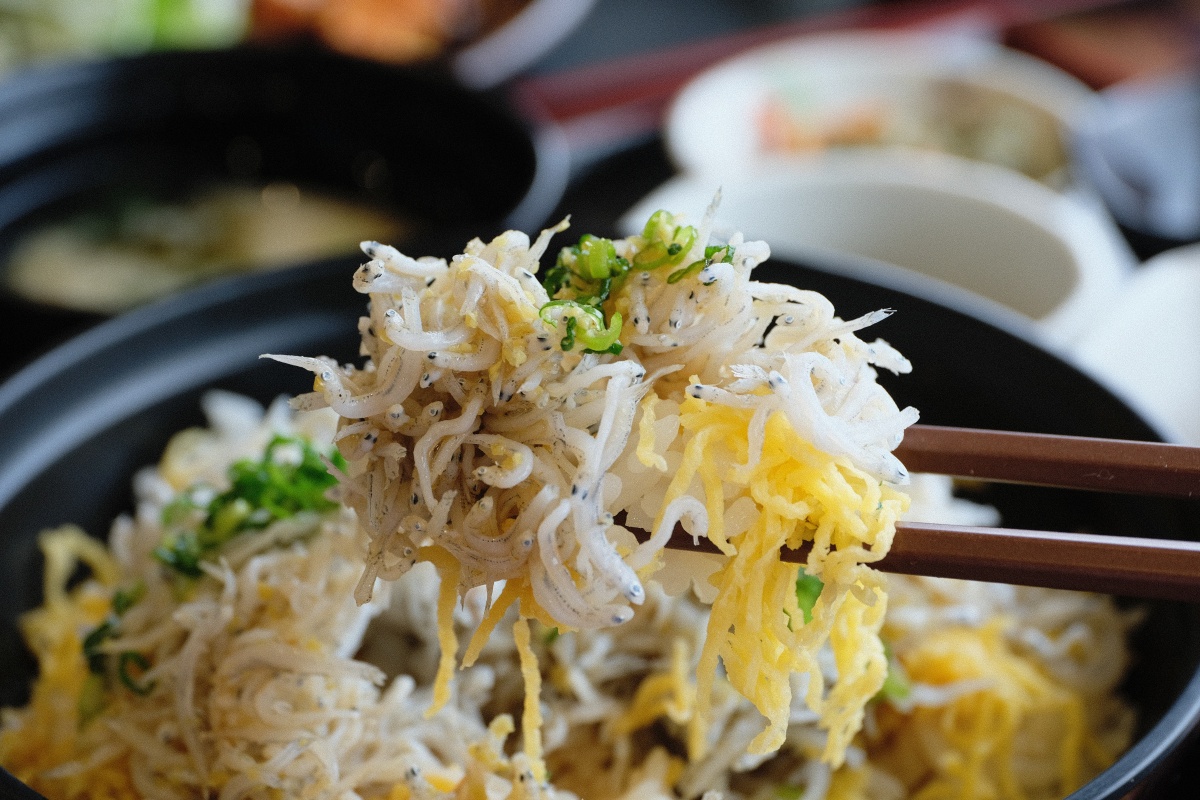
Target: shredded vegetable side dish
<point>443,573</point>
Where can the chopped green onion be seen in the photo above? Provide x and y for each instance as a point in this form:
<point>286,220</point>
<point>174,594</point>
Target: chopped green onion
<point>604,339</point>
<point>689,270</point>
<point>897,685</point>
<point>580,282</point>
<point>549,637</point>
<point>584,324</point>
<point>179,510</point>
<point>585,274</point>
<point>556,278</point>
<point>181,552</point>
<point>92,699</point>
<point>710,254</point>
<point>666,243</point>
<point>123,599</point>
<point>132,657</point>
<point>597,258</point>
<point>568,341</point>
<point>261,492</point>
<point>658,222</point>
<point>96,659</point>
<point>808,589</point>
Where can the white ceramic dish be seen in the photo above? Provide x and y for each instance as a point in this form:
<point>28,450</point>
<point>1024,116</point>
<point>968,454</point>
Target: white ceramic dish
<point>1144,345</point>
<point>948,227</point>
<point>519,43</point>
<point>932,90</point>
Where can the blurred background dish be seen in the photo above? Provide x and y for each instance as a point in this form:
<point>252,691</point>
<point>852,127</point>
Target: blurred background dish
<point>47,31</point>
<point>129,248</point>
<point>935,224</point>
<point>1139,148</point>
<point>1146,347</point>
<point>938,151</point>
<point>123,180</point>
<point>949,91</point>
<point>488,41</point>
<point>485,41</point>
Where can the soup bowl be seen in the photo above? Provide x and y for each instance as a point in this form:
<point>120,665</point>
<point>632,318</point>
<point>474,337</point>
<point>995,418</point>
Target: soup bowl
<point>87,140</point>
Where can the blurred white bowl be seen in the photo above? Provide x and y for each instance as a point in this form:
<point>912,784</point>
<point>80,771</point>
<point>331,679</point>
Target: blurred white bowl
<point>1145,343</point>
<point>942,226</point>
<point>939,90</point>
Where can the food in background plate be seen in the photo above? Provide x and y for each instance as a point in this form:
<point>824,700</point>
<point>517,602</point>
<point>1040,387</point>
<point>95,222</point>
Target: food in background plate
<point>131,248</point>
<point>938,90</point>
<point>388,30</point>
<point>396,31</point>
<point>47,30</point>
<point>961,119</point>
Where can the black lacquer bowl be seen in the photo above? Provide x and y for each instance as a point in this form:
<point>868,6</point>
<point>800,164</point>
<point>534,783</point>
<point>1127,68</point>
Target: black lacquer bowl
<point>408,141</point>
<point>78,422</point>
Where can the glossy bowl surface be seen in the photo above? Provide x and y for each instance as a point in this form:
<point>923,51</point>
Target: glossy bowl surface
<point>77,423</point>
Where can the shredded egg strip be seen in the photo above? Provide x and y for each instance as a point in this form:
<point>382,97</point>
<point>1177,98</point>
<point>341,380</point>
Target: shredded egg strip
<point>757,629</point>
<point>1017,722</point>
<point>46,733</point>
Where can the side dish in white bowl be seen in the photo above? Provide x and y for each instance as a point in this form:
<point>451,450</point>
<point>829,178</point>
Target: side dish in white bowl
<point>922,90</point>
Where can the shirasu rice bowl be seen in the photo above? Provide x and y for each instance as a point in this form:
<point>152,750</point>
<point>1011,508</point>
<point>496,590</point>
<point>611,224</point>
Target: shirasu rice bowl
<point>243,635</point>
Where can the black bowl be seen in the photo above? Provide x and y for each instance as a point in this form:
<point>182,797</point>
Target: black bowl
<point>408,140</point>
<point>78,422</point>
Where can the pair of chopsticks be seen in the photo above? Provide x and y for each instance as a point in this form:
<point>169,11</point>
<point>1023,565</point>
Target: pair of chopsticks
<point>1132,566</point>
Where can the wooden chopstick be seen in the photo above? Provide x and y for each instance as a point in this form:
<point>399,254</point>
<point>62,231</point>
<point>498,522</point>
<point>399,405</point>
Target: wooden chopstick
<point>1135,567</point>
<point>1121,565</point>
<point>1069,462</point>
<point>1147,568</point>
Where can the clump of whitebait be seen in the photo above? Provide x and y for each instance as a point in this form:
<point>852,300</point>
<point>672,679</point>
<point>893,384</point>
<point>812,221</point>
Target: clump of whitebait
<point>509,429</point>
<point>490,414</point>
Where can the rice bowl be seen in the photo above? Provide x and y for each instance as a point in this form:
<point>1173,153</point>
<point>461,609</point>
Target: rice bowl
<point>168,392</point>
